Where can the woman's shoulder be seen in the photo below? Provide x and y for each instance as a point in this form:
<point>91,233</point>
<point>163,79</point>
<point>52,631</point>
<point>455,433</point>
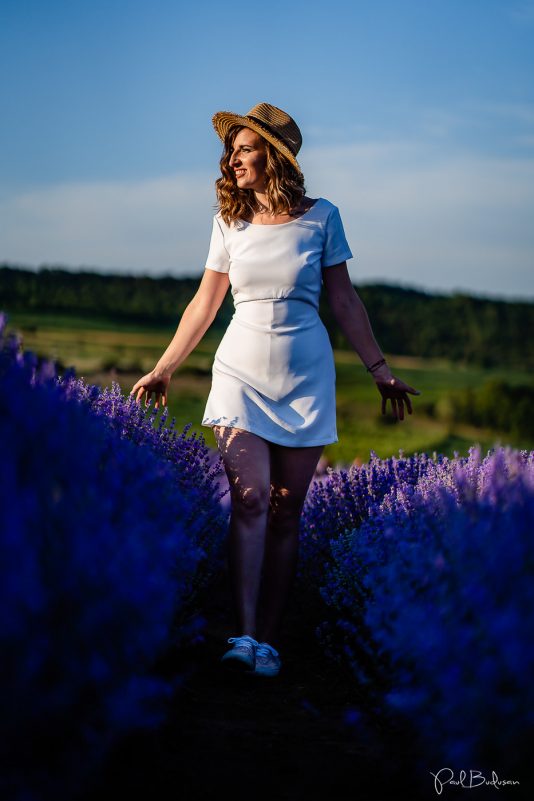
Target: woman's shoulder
<point>218,219</point>
<point>327,204</point>
<point>325,210</point>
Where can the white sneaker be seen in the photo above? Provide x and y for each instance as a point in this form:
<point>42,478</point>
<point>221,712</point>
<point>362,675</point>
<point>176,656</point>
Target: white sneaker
<point>268,662</point>
<point>242,655</point>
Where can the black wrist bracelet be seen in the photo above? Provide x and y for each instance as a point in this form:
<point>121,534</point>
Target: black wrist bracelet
<point>376,365</point>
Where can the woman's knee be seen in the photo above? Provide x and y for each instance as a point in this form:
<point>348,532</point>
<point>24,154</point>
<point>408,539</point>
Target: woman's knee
<point>252,500</point>
<point>247,464</point>
<point>285,508</point>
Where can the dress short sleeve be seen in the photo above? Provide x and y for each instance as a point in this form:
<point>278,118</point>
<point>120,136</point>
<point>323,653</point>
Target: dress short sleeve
<point>218,257</point>
<point>335,248</point>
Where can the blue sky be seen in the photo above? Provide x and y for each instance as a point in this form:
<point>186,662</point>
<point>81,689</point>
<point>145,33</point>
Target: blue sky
<point>417,118</point>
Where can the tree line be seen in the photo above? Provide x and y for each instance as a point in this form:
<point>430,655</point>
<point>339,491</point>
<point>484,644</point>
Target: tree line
<point>461,327</point>
<point>495,405</point>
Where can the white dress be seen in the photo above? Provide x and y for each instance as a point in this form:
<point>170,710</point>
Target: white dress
<point>273,373</point>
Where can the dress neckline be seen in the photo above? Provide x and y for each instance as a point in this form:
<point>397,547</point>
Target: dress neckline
<point>279,225</point>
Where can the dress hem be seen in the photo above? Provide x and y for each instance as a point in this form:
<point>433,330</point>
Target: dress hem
<point>274,441</point>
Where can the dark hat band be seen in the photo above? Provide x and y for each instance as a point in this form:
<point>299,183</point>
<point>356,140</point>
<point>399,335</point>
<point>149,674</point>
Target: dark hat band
<point>272,131</point>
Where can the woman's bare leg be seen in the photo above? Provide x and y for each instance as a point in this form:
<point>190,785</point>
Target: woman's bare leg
<point>246,460</point>
<point>292,470</point>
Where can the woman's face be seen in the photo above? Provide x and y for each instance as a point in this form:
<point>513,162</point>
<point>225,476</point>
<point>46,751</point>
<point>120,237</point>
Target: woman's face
<point>248,157</point>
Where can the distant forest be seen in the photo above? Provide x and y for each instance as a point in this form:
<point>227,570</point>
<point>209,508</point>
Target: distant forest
<point>409,322</point>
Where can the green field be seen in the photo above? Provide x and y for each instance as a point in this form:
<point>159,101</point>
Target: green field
<point>102,352</point>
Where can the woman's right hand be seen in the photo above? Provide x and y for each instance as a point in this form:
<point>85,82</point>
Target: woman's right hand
<point>152,382</point>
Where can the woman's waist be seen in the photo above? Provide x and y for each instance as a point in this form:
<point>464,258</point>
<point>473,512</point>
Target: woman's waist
<point>276,314</point>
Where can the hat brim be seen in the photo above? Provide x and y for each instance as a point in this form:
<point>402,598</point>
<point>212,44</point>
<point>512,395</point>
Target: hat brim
<point>224,120</point>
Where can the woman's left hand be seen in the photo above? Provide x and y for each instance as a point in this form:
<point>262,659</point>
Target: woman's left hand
<point>395,390</point>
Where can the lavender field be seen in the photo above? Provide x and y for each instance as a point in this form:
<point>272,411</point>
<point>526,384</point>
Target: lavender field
<point>418,574</point>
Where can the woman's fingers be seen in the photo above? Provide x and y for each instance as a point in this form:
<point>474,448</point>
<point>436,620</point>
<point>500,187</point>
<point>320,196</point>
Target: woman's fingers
<point>397,399</point>
<point>395,390</point>
<point>160,396</point>
<point>137,388</point>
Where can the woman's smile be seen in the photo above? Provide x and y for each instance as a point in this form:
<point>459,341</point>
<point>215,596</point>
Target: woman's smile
<point>248,160</point>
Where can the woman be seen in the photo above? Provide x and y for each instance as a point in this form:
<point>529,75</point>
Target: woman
<point>272,400</point>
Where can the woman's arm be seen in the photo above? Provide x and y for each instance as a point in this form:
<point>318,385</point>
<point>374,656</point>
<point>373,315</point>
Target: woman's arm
<point>352,317</point>
<point>194,322</point>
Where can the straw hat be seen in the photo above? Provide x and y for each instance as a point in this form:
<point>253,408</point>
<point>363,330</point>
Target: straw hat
<point>270,122</point>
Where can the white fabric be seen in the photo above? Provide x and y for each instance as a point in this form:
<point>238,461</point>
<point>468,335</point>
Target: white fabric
<point>273,373</point>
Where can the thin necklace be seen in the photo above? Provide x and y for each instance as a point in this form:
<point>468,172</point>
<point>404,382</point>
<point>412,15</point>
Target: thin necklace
<point>264,209</point>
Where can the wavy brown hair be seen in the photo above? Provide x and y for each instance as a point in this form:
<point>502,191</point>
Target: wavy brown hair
<point>284,184</point>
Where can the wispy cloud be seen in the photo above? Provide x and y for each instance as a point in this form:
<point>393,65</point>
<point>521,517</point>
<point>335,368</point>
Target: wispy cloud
<point>526,141</point>
<point>439,122</point>
<point>523,12</point>
<point>517,112</point>
<point>450,221</point>
<point>152,225</point>
<point>482,126</point>
<point>413,213</point>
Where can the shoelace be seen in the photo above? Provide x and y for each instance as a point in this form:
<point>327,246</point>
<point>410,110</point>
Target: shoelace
<point>266,650</point>
<point>245,640</point>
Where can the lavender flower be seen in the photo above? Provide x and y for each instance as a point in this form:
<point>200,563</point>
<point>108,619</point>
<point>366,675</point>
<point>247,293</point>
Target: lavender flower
<point>429,598</point>
<point>110,529</point>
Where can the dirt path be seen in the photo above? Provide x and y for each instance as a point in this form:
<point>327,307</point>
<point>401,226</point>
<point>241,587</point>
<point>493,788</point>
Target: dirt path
<point>253,738</point>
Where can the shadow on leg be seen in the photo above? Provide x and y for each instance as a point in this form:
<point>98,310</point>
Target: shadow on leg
<point>246,459</point>
<point>292,470</point>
